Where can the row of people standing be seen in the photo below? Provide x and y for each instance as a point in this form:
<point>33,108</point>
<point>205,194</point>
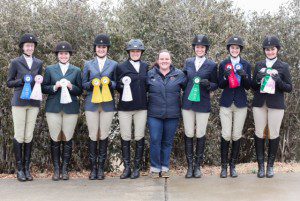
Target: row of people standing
<point>163,85</point>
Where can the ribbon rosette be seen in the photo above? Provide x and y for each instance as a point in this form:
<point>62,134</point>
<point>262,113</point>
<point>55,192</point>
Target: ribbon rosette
<point>106,95</point>
<point>195,91</point>
<point>65,96</point>
<point>26,91</point>
<point>127,95</point>
<point>237,67</point>
<point>233,81</point>
<point>36,93</point>
<point>96,96</point>
<point>268,84</point>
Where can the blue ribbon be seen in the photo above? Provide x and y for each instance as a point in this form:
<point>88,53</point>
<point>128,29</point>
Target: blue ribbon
<point>237,67</point>
<point>26,92</point>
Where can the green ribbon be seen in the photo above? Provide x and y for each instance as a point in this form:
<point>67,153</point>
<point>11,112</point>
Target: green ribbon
<point>195,91</point>
<point>266,79</point>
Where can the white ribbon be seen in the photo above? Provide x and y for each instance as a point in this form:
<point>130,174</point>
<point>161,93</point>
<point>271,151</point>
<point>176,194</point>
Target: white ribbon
<point>127,95</point>
<point>65,96</point>
<point>36,93</point>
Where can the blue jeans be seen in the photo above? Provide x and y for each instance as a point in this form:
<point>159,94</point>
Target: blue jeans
<point>162,132</point>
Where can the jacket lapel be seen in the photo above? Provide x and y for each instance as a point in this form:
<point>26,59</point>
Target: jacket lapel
<point>275,65</point>
<point>131,68</point>
<point>23,61</point>
<point>144,68</point>
<point>58,70</point>
<point>34,63</point>
<point>263,64</point>
<point>106,66</point>
<point>95,65</point>
<point>203,67</point>
<point>192,64</point>
<point>69,71</point>
<point>228,60</point>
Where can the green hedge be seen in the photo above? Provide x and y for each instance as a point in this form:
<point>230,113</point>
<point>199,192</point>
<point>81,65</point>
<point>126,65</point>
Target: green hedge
<point>160,24</point>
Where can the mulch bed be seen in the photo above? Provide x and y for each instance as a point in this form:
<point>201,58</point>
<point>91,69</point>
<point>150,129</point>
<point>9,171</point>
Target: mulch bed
<point>245,168</point>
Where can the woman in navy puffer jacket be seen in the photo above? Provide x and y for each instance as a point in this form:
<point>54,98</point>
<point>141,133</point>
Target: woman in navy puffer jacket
<point>164,95</point>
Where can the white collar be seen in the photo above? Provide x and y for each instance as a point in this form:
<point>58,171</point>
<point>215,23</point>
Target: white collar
<point>270,62</point>
<point>235,60</point>
<point>27,57</point>
<point>101,59</point>
<point>200,59</point>
<point>64,65</point>
<point>134,62</point>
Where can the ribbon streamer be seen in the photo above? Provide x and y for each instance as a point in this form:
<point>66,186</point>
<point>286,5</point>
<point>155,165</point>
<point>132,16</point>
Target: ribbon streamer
<point>268,84</point>
<point>233,82</point>
<point>106,95</point>
<point>26,91</point>
<point>195,91</point>
<point>237,67</point>
<point>96,96</point>
<point>65,96</point>
<point>36,93</point>
<point>127,95</point>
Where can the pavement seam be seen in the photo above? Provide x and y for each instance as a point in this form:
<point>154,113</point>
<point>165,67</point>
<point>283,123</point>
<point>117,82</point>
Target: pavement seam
<point>166,189</point>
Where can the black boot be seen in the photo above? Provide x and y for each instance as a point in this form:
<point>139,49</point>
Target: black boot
<point>55,153</point>
<point>189,153</point>
<point>102,157</point>
<point>27,150</point>
<point>126,159</point>
<point>93,159</point>
<point>273,147</point>
<point>260,155</point>
<point>18,155</point>
<point>139,150</point>
<point>234,157</point>
<point>200,145</point>
<point>224,157</point>
<point>66,159</point>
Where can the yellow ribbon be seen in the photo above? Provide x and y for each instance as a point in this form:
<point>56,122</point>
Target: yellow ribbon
<point>96,96</point>
<point>106,95</point>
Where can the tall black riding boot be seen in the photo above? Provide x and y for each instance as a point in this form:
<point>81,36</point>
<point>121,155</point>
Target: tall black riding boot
<point>139,150</point>
<point>189,153</point>
<point>27,150</point>
<point>234,157</point>
<point>273,147</point>
<point>200,146</point>
<point>102,158</point>
<point>126,159</point>
<point>93,159</point>
<point>260,155</point>
<point>55,153</point>
<point>18,155</point>
<point>66,158</point>
<point>224,157</point>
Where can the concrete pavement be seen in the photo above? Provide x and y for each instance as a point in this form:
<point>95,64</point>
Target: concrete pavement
<point>246,187</point>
